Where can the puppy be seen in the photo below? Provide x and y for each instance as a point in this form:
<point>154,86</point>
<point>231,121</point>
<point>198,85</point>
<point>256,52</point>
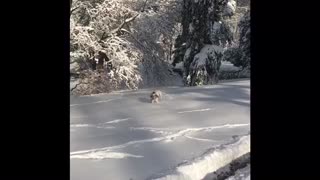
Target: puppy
<point>156,96</point>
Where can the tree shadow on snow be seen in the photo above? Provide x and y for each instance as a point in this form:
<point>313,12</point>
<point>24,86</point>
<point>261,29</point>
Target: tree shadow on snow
<point>235,94</point>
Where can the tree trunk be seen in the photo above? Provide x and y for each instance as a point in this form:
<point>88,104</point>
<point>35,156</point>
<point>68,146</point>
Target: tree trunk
<point>102,57</point>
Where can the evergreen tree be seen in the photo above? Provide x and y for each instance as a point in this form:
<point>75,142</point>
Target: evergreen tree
<point>204,34</point>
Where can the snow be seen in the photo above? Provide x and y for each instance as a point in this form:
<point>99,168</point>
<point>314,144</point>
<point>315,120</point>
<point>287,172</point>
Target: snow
<point>208,109</point>
<point>103,101</point>
<point>189,133</point>
<point>230,7</point>
<point>211,161</point>
<point>117,120</point>
<point>105,155</point>
<point>72,126</point>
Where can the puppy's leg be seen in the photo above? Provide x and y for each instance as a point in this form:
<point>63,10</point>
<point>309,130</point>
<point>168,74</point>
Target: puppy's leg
<point>153,100</point>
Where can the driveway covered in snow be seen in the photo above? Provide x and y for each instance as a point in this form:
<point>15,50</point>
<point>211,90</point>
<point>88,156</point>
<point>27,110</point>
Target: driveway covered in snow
<point>122,136</point>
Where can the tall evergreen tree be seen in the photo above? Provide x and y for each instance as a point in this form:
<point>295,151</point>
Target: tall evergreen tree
<point>202,40</point>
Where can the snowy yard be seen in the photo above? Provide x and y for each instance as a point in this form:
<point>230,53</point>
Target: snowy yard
<point>193,131</point>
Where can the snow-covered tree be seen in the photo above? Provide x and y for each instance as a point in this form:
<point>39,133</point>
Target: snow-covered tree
<point>117,44</point>
<point>97,43</point>
<point>204,35</point>
<point>154,32</point>
<point>121,43</point>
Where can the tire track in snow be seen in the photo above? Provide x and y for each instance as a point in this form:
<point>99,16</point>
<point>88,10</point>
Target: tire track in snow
<point>197,110</point>
<point>100,125</point>
<point>105,155</point>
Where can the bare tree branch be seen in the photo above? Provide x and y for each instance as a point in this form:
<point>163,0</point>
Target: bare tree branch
<point>141,44</point>
<point>118,29</point>
<point>131,19</point>
<point>144,5</point>
<point>75,87</point>
<point>102,37</point>
<point>125,22</point>
<point>74,10</point>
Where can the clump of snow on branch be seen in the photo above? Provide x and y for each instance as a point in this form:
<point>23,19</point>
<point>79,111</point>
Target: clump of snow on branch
<point>230,8</point>
<point>206,63</point>
<point>207,52</point>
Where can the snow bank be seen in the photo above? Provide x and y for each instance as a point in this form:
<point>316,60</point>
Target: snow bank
<point>210,161</point>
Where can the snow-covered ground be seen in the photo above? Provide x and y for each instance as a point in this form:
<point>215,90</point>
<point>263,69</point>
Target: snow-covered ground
<point>191,132</point>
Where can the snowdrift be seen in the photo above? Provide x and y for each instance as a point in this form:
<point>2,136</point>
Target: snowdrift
<point>210,161</point>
